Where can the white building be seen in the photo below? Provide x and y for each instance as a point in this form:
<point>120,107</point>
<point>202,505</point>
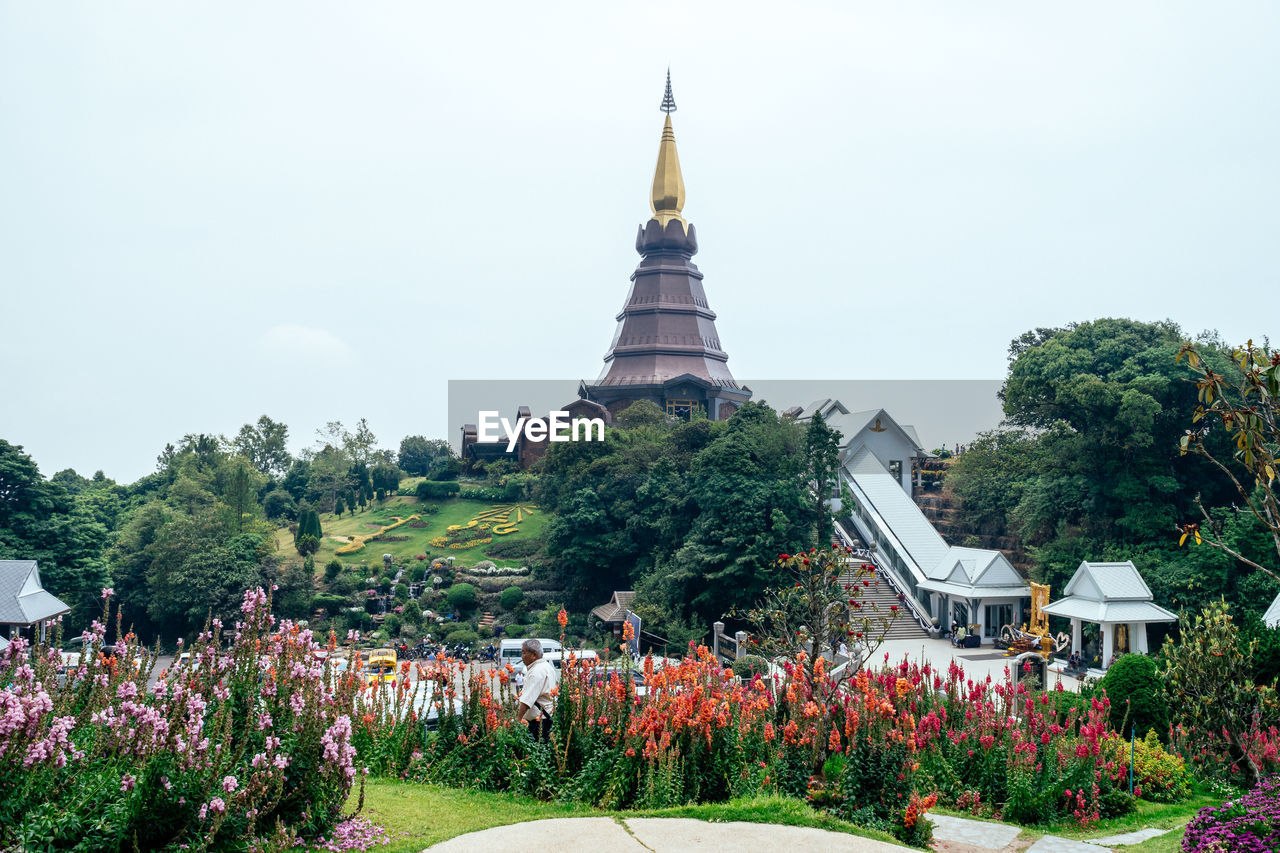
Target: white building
<point>1115,597</point>
<point>26,608</point>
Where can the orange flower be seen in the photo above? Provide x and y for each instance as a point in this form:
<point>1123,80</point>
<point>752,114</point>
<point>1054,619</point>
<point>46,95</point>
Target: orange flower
<point>562,617</point>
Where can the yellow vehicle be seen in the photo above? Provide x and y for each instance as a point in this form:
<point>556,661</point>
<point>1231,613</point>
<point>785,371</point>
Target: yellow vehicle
<point>379,667</point>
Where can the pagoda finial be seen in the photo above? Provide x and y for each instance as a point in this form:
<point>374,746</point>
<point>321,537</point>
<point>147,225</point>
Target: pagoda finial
<point>668,185</point>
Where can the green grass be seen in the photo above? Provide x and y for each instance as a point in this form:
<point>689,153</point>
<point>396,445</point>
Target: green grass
<point>451,511</point>
<point>421,815</point>
<point>1155,815</point>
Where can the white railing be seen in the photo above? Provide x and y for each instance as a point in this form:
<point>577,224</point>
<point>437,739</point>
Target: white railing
<point>914,607</point>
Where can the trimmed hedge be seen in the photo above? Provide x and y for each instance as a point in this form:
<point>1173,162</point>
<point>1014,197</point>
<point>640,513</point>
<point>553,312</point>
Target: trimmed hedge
<point>432,490</point>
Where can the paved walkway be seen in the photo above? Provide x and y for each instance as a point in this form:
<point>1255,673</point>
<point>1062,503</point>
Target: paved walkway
<point>963,835</point>
<point>682,835</point>
<point>659,835</point>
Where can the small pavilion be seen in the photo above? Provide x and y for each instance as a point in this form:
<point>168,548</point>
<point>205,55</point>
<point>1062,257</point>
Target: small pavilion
<point>26,607</point>
<point>1116,598</point>
<point>978,588</point>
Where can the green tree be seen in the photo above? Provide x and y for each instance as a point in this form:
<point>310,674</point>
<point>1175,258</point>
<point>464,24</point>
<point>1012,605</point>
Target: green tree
<point>1244,400</point>
<point>309,525</point>
<point>332,569</point>
<point>1090,466</point>
<point>822,463</point>
<point>265,445</point>
<point>196,566</point>
<point>279,504</point>
<point>41,521</point>
<point>330,471</point>
<point>1206,669</point>
<point>418,453</point>
<point>296,589</point>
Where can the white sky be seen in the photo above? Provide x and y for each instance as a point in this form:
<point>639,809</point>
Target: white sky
<point>325,211</point>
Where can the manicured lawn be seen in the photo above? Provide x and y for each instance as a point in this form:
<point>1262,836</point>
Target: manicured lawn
<point>452,511</point>
<point>421,815</point>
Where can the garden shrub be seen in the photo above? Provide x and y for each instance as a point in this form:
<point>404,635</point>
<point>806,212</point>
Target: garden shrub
<point>462,597</point>
<point>433,490</point>
<point>515,549</point>
<point>331,604</point>
<point>511,598</point>
<point>748,667</point>
<point>1136,690</point>
<point>332,569</point>
<point>1158,776</point>
<point>465,636</point>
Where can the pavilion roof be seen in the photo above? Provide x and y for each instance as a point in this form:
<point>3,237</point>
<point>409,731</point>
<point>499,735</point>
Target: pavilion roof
<point>1109,592</point>
<point>616,609</point>
<point>23,600</point>
<point>1110,611</point>
<point>1272,617</point>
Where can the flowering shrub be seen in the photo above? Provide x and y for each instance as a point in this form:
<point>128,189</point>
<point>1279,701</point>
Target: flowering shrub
<point>1158,776</point>
<point>358,541</point>
<point>239,743</point>
<point>1250,824</point>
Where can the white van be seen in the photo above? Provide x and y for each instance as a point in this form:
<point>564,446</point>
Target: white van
<point>509,653</point>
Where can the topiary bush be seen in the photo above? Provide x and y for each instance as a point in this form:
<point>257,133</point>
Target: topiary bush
<point>433,490</point>
<point>462,597</point>
<point>511,598</point>
<point>331,604</point>
<point>1136,690</point>
<point>748,667</point>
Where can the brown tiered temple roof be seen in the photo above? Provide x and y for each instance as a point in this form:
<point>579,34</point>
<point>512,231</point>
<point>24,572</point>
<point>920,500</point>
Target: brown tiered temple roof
<point>666,329</point>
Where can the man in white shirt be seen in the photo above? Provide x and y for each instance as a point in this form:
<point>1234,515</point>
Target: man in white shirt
<point>536,701</point>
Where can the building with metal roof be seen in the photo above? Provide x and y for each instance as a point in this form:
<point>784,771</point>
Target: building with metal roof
<point>978,588</point>
<point>26,607</point>
<point>1116,598</point>
<point>975,587</point>
<point>1272,617</point>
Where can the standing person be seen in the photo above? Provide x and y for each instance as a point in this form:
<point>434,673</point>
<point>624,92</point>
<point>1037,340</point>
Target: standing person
<point>536,701</point>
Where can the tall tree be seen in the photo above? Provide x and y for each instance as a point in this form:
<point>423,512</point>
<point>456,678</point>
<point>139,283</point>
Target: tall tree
<point>418,453</point>
<point>822,462</point>
<point>265,444</point>
<point>40,521</point>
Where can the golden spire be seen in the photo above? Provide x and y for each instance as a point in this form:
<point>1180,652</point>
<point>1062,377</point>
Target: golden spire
<point>668,185</point>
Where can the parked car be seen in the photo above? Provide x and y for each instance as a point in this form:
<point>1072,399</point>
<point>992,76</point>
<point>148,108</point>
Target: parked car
<point>380,666</point>
<point>604,675</point>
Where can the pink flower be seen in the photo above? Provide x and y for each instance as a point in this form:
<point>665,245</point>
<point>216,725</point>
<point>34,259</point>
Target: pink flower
<point>107,592</point>
<point>229,784</point>
<point>127,781</point>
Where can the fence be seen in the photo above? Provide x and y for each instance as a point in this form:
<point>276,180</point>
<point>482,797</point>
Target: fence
<point>727,649</point>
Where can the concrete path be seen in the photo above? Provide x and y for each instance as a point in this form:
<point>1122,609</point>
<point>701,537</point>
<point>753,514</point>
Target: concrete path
<point>659,835</point>
<point>682,835</point>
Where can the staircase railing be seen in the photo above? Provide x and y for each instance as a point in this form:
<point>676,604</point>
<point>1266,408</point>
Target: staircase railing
<point>868,555</point>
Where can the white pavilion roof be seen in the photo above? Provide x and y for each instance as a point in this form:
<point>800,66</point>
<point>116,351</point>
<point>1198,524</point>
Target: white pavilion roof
<point>1109,592</point>
<point>1272,617</point>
